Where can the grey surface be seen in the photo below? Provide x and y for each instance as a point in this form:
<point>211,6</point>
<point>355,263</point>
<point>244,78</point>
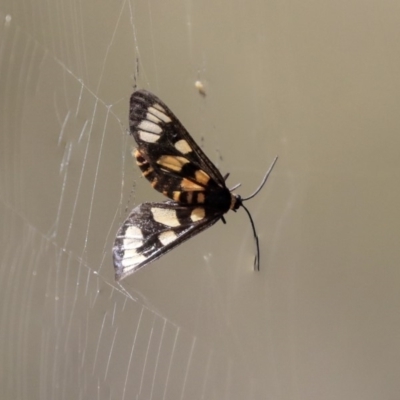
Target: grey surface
<point>316,83</point>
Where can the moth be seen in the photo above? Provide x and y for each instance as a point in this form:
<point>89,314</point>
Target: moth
<point>177,167</point>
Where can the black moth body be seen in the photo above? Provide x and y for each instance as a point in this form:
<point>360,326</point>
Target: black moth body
<point>175,166</point>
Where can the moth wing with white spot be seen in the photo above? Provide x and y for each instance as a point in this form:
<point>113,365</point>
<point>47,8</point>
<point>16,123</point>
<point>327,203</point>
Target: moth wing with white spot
<point>153,229</point>
<point>159,133</point>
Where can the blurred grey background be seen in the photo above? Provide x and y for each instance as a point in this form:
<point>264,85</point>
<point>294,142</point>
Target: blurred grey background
<point>316,83</point>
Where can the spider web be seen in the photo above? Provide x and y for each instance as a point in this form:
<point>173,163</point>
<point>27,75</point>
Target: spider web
<point>67,181</point>
<point>314,82</point>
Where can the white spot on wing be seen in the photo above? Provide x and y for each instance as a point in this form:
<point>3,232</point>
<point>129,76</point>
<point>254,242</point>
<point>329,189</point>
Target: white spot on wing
<point>167,237</point>
<point>165,216</point>
<point>183,146</point>
<point>197,214</point>
<point>133,232</point>
<point>148,137</point>
<point>133,238</point>
<point>159,112</point>
<point>131,259</point>
<point>149,127</point>
<point>153,118</point>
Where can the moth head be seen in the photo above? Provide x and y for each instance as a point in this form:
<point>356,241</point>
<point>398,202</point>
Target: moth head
<point>236,201</point>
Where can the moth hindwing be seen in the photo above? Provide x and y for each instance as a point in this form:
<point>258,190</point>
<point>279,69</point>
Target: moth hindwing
<point>177,167</point>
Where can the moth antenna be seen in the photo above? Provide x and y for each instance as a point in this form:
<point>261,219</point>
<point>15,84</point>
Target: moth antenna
<point>257,259</point>
<point>263,181</point>
<point>235,187</point>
